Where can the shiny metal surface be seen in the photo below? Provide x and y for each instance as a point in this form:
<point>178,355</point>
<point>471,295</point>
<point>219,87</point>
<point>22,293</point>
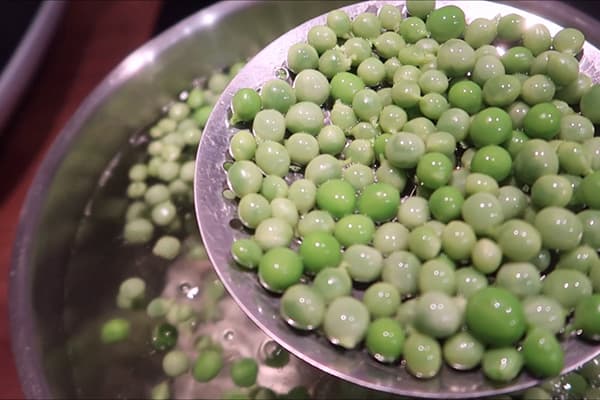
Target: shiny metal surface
<point>214,211</point>
<point>54,294</point>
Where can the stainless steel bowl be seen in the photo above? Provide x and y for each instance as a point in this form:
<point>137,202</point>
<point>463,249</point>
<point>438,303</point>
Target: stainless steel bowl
<point>54,291</point>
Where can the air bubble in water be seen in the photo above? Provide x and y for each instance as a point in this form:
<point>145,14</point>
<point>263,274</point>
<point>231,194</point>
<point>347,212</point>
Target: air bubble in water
<point>228,335</point>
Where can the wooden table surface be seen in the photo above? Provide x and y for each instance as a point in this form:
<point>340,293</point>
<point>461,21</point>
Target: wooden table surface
<point>93,37</point>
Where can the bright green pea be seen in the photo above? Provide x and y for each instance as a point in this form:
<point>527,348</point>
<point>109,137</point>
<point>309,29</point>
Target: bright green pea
<point>302,56</point>
<point>587,316</point>
<point>423,355</point>
<point>458,240</point>
<point>542,121</point>
<point>446,23</point>
<point>517,59</point>
<point>336,197</point>
<point>466,95</point>
<point>115,330</point>
<point>385,339</point>
<point>381,299</point>
<point>401,269</point>
<point>319,250</point>
<point>379,201</point>
<point>278,95</point>
<point>490,126</point>
<point>273,232</point>
<point>495,317</point>
<point>544,312</point>
<point>502,365</point>
<point>462,351</point>
<point>437,315</point>
<point>354,229</point>
<point>346,322</point>
<point>567,286</point>
<point>245,104</point>
<point>208,365</point>
<point>445,203</point>
<point>560,228</point>
<point>542,353</point>
<point>363,263</point>
<point>437,275</point>
<point>455,57</point>
<point>246,252</point>
<point>302,307</point>
<point>244,372</point>
<point>332,283</point>
<point>563,69</point>
<point>536,158</point>
<point>492,160</point>
<point>279,268</point>
<point>511,27</point>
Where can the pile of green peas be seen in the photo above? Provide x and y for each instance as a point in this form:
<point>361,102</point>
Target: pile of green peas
<point>451,168</point>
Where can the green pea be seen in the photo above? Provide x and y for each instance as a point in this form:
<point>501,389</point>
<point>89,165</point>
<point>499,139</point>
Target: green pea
<point>360,151</point>
<point>332,283</point>
<point>413,211</point>
<point>469,281</point>
<point>544,312</point>
<point>495,317</point>
<point>537,89</point>
<point>511,27</point>
<point>519,240</point>
<point>371,71</point>
<point>354,229</point>
<point>537,38</point>
<point>303,193</point>
<point>501,90</point>
<point>253,209</point>
<point>589,187</point>
<point>486,256</point>
<point>542,121</point>
<point>346,322</point>
<point>321,38</point>
<point>244,177</point>
<point>574,91</point>
<point>138,231</point>
<point>359,176</point>
<point>536,158</point>
<point>466,95</point>
<point>517,112</point>
<point>175,363</point>
<point>446,23</point>
<point>331,140</point>
<point>482,211</point>
<point>423,355</point>
<point>462,351</point>
<point>319,250</point>
<point>517,59</point>
<point>315,221</point>
<point>575,128</point>
<point>302,307</point>
<point>357,49</point>
<point>492,160</point>
<point>437,275</point>
<point>158,307</point>
<point>363,263</point>
<point>304,117</point>
<point>420,126</point>
<point>568,40</point>
<point>412,29</point>
<point>401,269</point>
<point>339,21</point>
<point>244,372</point>
<point>567,286</point>
<point>246,252</point>
<point>437,315</point>
<point>302,56</point>
<point>491,126</point>
<point>385,339</point>
<point>424,242</point>
<point>560,228</point>
<point>520,278</point>
<point>364,130</point>
<point>207,366</point>
<point>542,353</point>
<point>392,118</point>
<point>587,316</point>
<point>379,201</point>
<point>323,168</point>
<point>503,364</point>
<point>487,67</point>
<point>404,150</point>
<point>336,197</point>
<point>396,177</point>
<point>277,94</point>
<point>279,268</point>
<point>454,121</point>
<point>367,105</point>
<point>445,203</point>
<point>333,61</point>
<point>455,57</point>
<point>541,260</point>
<point>388,44</point>
<point>312,86</point>
<point>432,105</point>
<point>167,247</point>
<point>115,330</point>
<point>590,220</point>
<point>245,103</point>
<point>381,299</point>
<point>458,240</point>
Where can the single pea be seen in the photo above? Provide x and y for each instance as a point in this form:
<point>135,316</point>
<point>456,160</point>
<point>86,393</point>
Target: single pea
<point>175,363</point>
<point>302,56</point>
<point>245,104</point>
<point>319,250</point>
<point>253,209</point>
<point>321,38</point>
<point>456,58</point>
<point>359,176</point>
<point>502,365</point>
<point>587,316</point>
<point>244,372</point>
<point>413,212</point>
<point>366,25</point>
<point>469,281</point>
<point>404,150</point>
<point>115,330</point>
<point>446,23</point>
<point>354,229</point>
<point>589,189</point>
<point>311,85</point>
<point>396,177</point>
<point>522,279</point>
<point>208,365</point>
<point>537,38</point>
<point>304,117</point>
<point>412,29</point>
<point>551,190</point>
<point>466,95</point>
<point>390,237</point>
<point>423,356</point>
<point>560,228</point>
<point>244,177</point>
<point>432,105</point>
<point>344,86</point>
<point>246,252</point>
<point>441,142</point>
<point>363,263</point>
<point>462,351</point>
<point>273,187</point>
<point>406,94</point>
<point>536,158</point>
<point>302,307</point>
<point>511,27</point>
<point>574,91</point>
<point>392,118</point>
<point>480,183</point>
<point>315,221</point>
<point>517,112</point>
<point>381,299</point>
<point>544,312</point>
<point>482,211</point>
<point>542,260</point>
<point>138,231</point>
<point>401,269</point>
<point>385,339</point>
<point>487,67</point>
<point>371,71</point>
<point>542,121</point>
<point>273,232</point>
<point>420,8</point>
<point>390,17</point>
<point>567,286</point>
<point>331,140</point>
<point>454,121</point>
<point>164,337</point>
<point>158,307</point>
<point>420,126</point>
<point>339,21</point>
<point>332,283</point>
<point>367,105</point>
<point>279,268</point>
<point>360,151</point>
<point>492,160</point>
<point>385,94</point>
<point>537,89</point>
<point>333,61</point>
<point>486,256</point>
<point>514,144</point>
<point>592,148</point>
<point>346,322</point>
<point>445,203</point>
<point>542,353</point>
<point>167,247</point>
<point>519,240</point>
<point>437,315</point>
<point>458,240</point>
<point>379,201</point>
<point>491,126</point>
<point>302,148</point>
<point>590,220</point>
<point>575,128</point>
<point>357,49</point>
<point>495,316</point>
<point>501,90</point>
<point>517,59</point>
<point>424,242</point>
<point>563,69</point>
<point>322,168</point>
<point>437,275</point>
<point>336,197</point>
<point>278,95</point>
<point>568,40</point>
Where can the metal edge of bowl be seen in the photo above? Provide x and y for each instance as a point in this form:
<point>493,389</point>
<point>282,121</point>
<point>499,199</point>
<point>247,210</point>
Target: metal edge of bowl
<point>24,343</point>
<point>22,328</point>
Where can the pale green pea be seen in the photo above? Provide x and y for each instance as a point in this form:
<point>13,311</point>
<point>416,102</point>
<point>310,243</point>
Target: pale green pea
<point>385,94</point>
<point>186,173</point>
<point>272,158</point>
<point>302,148</point>
<point>517,111</point>
<point>537,89</point>
<point>454,121</point>
<point>459,179</point>
<point>420,126</point>
<point>413,212</point>
<point>381,299</point>
<point>390,17</point>
<point>469,281</point>
<point>437,276</point>
<point>333,61</point>
<point>437,315</point>
<point>537,38</point>
<point>358,175</point>
<point>322,168</point>
<point>467,157</point>
<point>402,269</point>
<point>158,307</point>
<point>433,105</point>
<point>346,321</point>
<point>502,364</point>
<point>161,391</point>
<point>168,171</point>
<point>441,142</point>
<point>568,40</point>
<point>424,242</point>
<point>273,232</point>
<point>458,240</point>
<point>456,57</point>
<point>273,187</point>
<point>388,44</point>
<point>429,45</point>
<point>306,117</point>
<point>390,237</point>
<point>406,94</point>
<point>163,213</point>
<point>286,210</point>
<point>302,56</point>
<point>217,82</point>
<point>343,116</point>
<point>567,286</point>
<point>481,183</point>
<point>576,128</point>
<point>364,130</point>
<point>332,283</point>
<point>136,189</point>
<point>339,21</point>
<point>391,66</point>
<point>462,351</point>
<point>544,312</point>
<point>487,67</point>
<point>406,73</point>
<point>331,140</point>
<point>321,38</point>
<point>135,210</point>
<point>360,151</point>
<point>392,118</point>
<point>244,177</point>
<point>386,173</point>
<point>573,92</point>
<point>357,49</point>
<point>363,263</point>
<point>480,31</point>
<point>303,193</point>
<point>312,86</point>
<point>486,50</point>
<point>512,201</point>
<point>371,71</point>
<point>175,363</point>
<point>138,231</point>
<point>406,314</point>
<point>423,355</point>
<point>433,81</point>
<point>316,221</point>
<point>520,278</point>
<point>483,212</point>
<point>167,247</point>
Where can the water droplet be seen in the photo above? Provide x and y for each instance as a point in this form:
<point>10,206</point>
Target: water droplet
<point>184,287</point>
<point>282,73</point>
<point>228,335</point>
<point>273,355</point>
